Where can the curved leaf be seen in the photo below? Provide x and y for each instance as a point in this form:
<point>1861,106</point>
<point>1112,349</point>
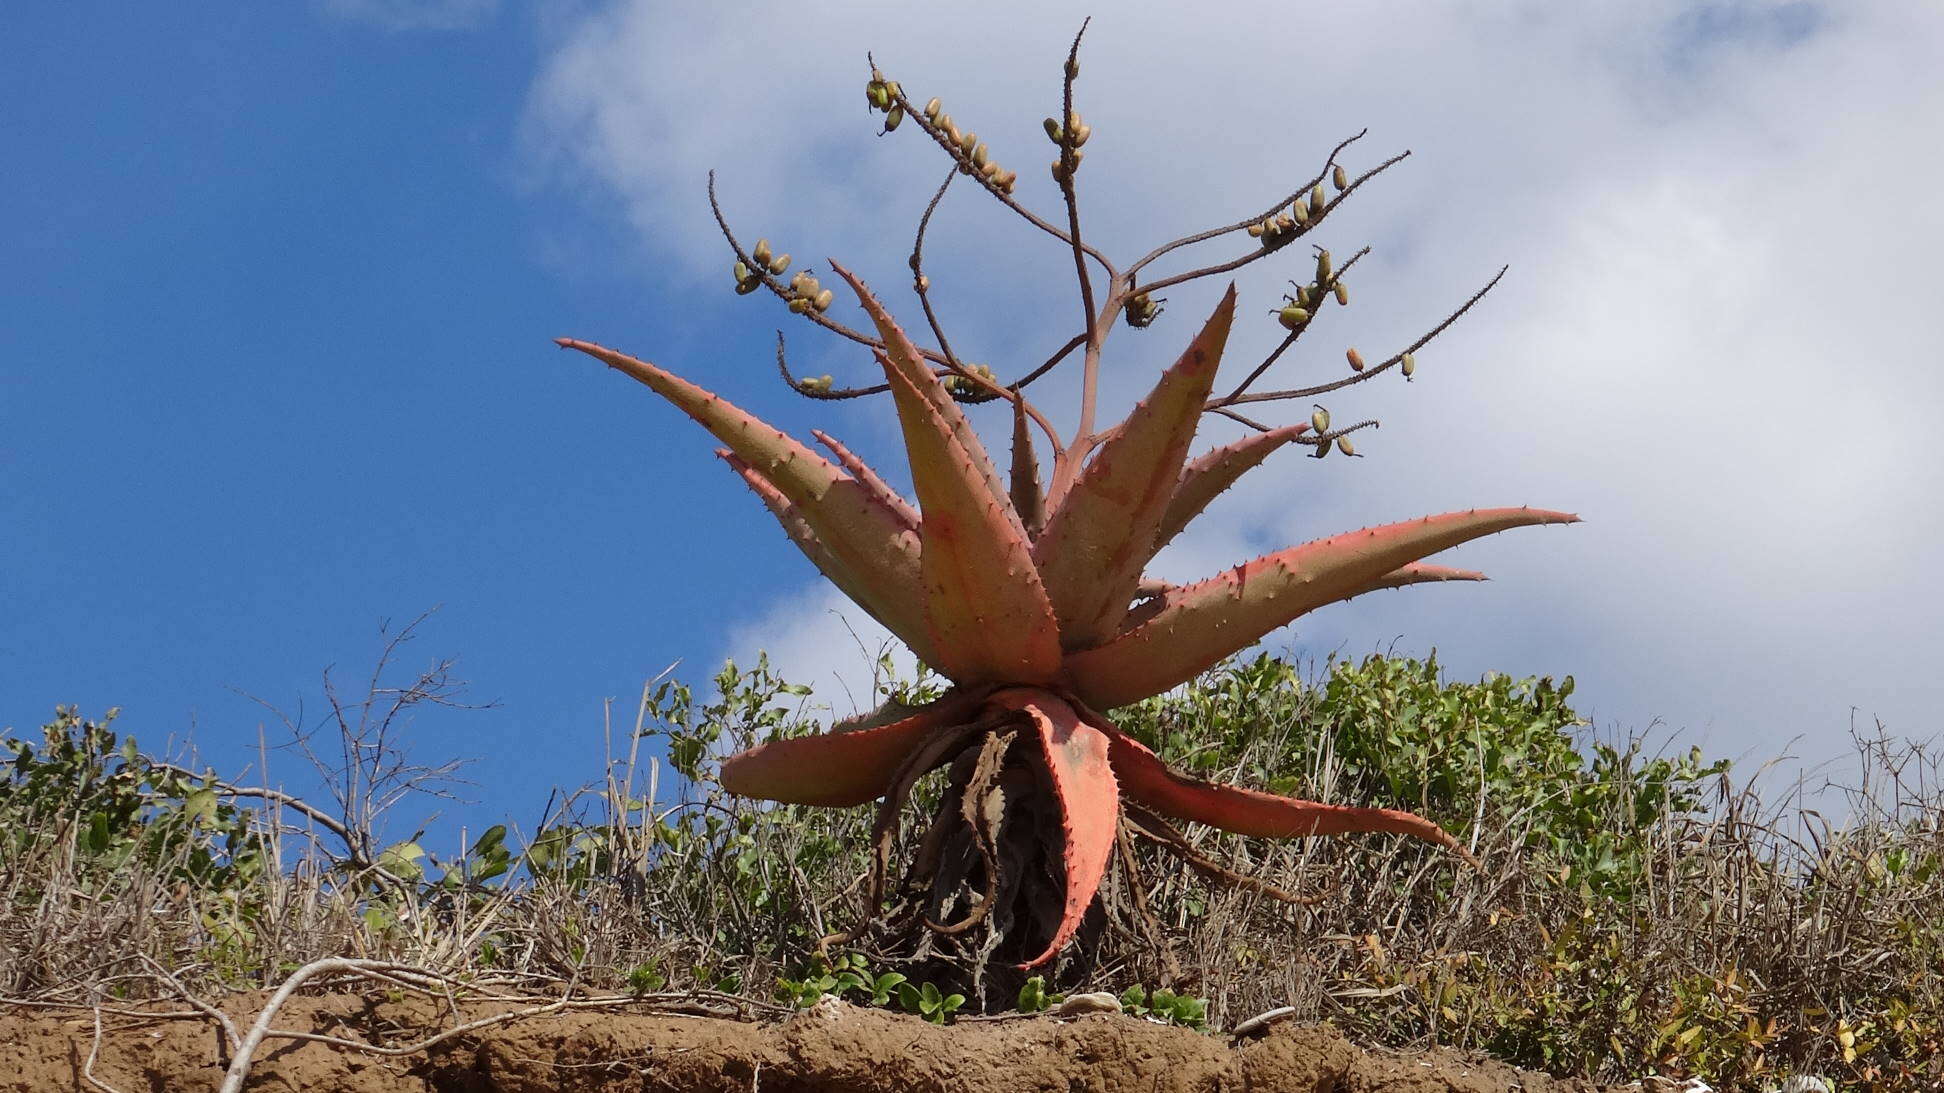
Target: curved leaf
<point>1148,781</point>
<point>1415,573</point>
<point>1083,782</point>
<point>1204,480</point>
<point>1027,499</point>
<point>1104,529</point>
<point>987,615</point>
<point>800,533</point>
<point>1203,622</point>
<point>863,472</point>
<point>839,769</point>
<point>858,529</point>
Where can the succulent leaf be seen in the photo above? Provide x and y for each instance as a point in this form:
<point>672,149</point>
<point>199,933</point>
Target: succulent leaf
<point>1208,620</point>
<point>1027,499</point>
<point>862,471</point>
<point>1204,480</point>
<point>840,769</point>
<point>1146,780</point>
<point>800,533</point>
<point>1415,573</point>
<point>1104,529</point>
<point>866,537</point>
<point>1083,781</point>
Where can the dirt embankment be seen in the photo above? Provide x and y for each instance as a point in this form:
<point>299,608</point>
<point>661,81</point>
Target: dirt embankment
<point>829,1049</point>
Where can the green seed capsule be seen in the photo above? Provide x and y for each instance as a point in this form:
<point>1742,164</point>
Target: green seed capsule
<point>1052,130</point>
<point>968,141</point>
<point>1255,231</point>
<point>892,119</point>
<point>779,263</point>
<point>990,170</point>
<point>1322,267</point>
<point>979,155</point>
<point>744,288</point>
<point>1408,365</point>
<point>1081,133</point>
<point>893,89</point>
<point>879,94</point>
<point>1341,179</point>
<point>1317,201</point>
<point>931,109</point>
<point>1343,445</point>
<point>1299,212</point>
<point>762,252</point>
<point>824,299</point>
<point>799,305</point>
<point>1342,294</point>
<point>1323,447</point>
<point>1292,317</point>
<point>1355,358</point>
<point>1285,222</point>
<point>824,381</point>
<point>742,273</point>
<point>1320,420</point>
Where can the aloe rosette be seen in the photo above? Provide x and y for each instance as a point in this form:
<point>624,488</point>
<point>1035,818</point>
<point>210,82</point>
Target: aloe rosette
<point>1032,603</point>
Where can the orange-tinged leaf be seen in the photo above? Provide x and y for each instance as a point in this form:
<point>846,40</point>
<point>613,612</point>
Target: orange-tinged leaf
<point>987,615</point>
<point>1402,576</point>
<point>1204,480</point>
<point>1146,780</point>
<point>870,540</point>
<point>1083,781</point>
<point>1104,529</point>
<point>1027,499</point>
<point>864,473</point>
<point>1204,622</point>
<point>839,769</point>
<point>801,534</point>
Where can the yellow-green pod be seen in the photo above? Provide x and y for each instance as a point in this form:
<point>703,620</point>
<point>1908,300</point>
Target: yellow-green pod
<point>1292,317</point>
<point>1052,130</point>
<point>1342,293</point>
<point>762,252</point>
<point>931,109</point>
<point>979,155</point>
<point>1080,134</point>
<point>799,305</point>
<point>779,263</point>
<point>1322,267</point>
<point>1317,201</point>
<point>825,299</point>
<point>1343,445</point>
<point>742,273</point>
<point>1341,179</point>
<point>892,119</point>
<point>968,140</point>
<point>1323,447</point>
<point>1320,420</point>
<point>1408,365</point>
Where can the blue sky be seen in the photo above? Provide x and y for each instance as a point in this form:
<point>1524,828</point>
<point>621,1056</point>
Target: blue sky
<point>275,325</point>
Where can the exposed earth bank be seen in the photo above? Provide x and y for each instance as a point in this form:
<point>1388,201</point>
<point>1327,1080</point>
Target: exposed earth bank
<point>832,1047</point>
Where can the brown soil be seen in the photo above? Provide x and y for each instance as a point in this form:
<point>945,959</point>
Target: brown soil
<point>832,1047</point>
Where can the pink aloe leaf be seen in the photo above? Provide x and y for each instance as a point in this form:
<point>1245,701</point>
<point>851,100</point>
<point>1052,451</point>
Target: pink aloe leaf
<point>905,357</point>
<point>1204,480</point>
<point>1083,782</point>
<point>988,616</point>
<point>1104,529</point>
<point>1027,499</point>
<point>839,769</point>
<point>801,534</point>
<point>1402,576</point>
<point>1207,621</point>
<point>1146,780</point>
<point>863,472</point>
<point>869,539</point>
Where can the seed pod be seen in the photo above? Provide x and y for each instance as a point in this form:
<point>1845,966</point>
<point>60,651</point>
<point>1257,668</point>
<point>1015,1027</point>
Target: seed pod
<point>878,93</point>
<point>1355,358</point>
<point>968,140</point>
<point>1073,120</point>
<point>1304,297</point>
<point>979,155</point>
<point>931,109</point>
<point>824,299</point>
<point>1300,212</point>
<point>1081,133</point>
<point>892,119</point>
<point>762,252</point>
<point>1052,130</point>
<point>810,285</point>
<point>1322,267</point>
<point>1317,201</point>
<point>1342,294</point>
<point>1343,445</point>
<point>796,283</point>
<point>823,381</point>
<point>1006,180</point>
<point>1255,231</point>
<point>779,263</point>
<point>742,273</point>
<point>1320,420</point>
<point>1337,176</point>
<point>892,89</point>
<point>744,288</point>
<point>991,169</point>
<point>1285,222</point>
<point>952,134</point>
<point>1058,175</point>
<point>799,305</point>
<point>1292,317</point>
<point>1323,447</point>
<point>1408,365</point>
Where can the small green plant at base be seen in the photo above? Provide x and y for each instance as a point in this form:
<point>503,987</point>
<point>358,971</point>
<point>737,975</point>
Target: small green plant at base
<point>1034,998</point>
<point>1166,1006</point>
<point>646,978</point>
<point>929,1002</point>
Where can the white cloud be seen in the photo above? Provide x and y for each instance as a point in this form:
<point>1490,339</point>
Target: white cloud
<point>397,15</point>
<point>1717,340</point>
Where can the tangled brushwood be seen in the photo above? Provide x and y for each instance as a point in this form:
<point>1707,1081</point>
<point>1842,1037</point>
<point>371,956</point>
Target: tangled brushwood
<point>1030,596</point>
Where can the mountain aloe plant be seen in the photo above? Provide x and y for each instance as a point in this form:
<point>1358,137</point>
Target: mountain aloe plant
<point>1029,595</point>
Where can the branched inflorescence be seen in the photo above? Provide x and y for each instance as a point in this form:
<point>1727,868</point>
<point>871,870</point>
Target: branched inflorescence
<point>1027,593</point>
